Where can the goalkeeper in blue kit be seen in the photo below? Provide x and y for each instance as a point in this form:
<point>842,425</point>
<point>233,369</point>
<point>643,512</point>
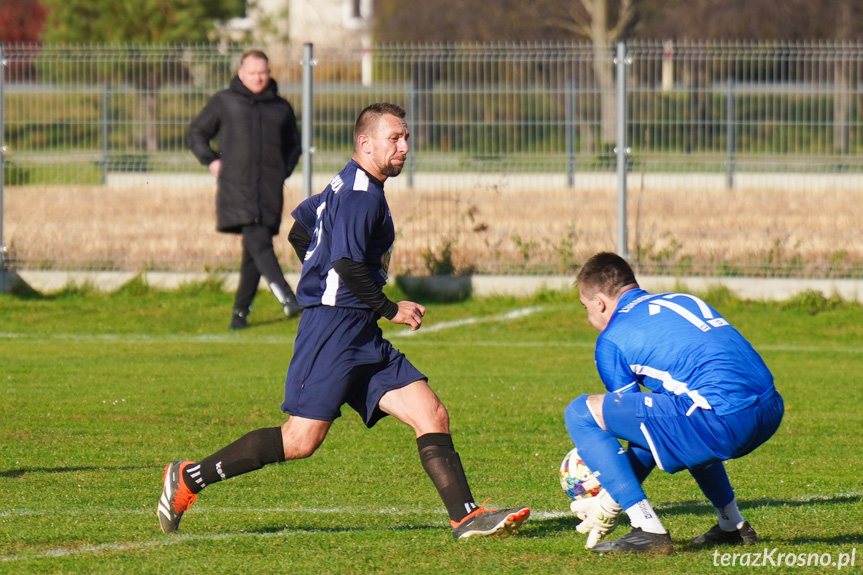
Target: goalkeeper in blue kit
<point>708,397</point>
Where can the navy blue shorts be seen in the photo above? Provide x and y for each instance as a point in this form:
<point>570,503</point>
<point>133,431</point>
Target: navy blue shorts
<point>659,422</point>
<point>340,356</point>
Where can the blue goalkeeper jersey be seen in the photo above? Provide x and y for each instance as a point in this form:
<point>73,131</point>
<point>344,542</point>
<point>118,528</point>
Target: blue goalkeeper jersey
<point>349,219</point>
<point>675,343</point>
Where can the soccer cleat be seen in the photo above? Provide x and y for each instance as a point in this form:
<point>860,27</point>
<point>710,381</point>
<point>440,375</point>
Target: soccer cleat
<point>238,320</point>
<point>291,307</point>
<point>484,522</point>
<point>638,541</point>
<point>716,536</point>
<point>176,497</point>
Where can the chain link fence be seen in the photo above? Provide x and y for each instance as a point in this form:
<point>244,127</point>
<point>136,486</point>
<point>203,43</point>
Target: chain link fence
<point>744,159</point>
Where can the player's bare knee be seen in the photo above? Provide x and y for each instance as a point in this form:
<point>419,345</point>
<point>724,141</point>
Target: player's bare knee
<point>300,448</point>
<point>301,439</point>
<point>441,417</point>
<point>594,404</point>
<point>433,419</point>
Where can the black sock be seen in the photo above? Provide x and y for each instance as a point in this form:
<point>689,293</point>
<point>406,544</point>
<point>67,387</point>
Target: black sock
<point>443,466</point>
<point>248,453</point>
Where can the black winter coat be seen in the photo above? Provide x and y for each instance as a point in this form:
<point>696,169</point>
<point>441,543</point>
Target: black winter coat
<point>259,146</point>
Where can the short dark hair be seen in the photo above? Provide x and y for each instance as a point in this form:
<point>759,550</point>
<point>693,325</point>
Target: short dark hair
<point>373,113</point>
<point>606,273</point>
<point>259,54</point>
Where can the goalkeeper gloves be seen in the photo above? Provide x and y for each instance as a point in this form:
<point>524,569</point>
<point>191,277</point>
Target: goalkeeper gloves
<point>598,514</point>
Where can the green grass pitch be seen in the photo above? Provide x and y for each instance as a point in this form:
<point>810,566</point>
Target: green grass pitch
<point>99,392</point>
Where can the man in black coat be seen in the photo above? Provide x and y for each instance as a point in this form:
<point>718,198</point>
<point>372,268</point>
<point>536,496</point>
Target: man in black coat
<point>259,146</point>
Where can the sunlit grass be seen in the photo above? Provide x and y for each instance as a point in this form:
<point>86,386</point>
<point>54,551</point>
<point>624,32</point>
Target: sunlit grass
<point>99,392</point>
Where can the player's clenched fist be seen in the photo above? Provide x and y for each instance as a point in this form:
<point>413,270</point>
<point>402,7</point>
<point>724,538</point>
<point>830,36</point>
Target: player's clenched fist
<point>410,313</point>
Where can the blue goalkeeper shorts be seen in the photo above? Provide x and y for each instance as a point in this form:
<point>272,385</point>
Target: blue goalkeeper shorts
<point>659,422</point>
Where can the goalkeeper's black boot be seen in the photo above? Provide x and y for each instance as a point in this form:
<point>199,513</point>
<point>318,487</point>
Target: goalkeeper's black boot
<point>638,541</point>
<point>716,536</point>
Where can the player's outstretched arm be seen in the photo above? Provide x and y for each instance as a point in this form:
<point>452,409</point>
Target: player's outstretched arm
<point>410,313</point>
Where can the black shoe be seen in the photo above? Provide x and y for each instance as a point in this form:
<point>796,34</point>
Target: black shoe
<point>746,535</point>
<point>238,320</point>
<point>291,307</point>
<point>637,541</point>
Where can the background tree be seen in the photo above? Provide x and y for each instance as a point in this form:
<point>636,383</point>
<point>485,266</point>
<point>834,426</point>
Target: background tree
<point>602,23</point>
<point>21,20</point>
<point>848,18</point>
<point>448,21</point>
<point>142,23</point>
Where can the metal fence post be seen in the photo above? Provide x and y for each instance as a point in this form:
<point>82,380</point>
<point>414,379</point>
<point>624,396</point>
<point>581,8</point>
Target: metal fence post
<point>106,90</point>
<point>731,132</point>
<point>622,150</point>
<point>411,114</point>
<point>569,122</point>
<point>3,286</point>
<point>308,110</point>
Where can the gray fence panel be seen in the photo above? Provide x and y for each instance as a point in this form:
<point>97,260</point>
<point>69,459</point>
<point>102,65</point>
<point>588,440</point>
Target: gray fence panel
<point>745,157</point>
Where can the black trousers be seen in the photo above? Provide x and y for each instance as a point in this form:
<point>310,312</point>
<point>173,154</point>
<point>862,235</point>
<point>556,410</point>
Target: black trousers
<point>259,259</point>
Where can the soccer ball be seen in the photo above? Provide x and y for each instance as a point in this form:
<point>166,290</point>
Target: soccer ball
<point>576,479</point>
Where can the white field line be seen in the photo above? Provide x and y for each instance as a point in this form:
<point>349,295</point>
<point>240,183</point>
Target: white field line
<point>184,538</point>
<point>127,338</point>
<point>508,316</point>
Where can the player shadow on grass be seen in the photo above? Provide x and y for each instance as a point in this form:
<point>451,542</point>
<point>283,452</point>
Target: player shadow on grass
<point>698,508</point>
<point>18,473</point>
<point>538,527</point>
<point>566,525</point>
<point>694,507</point>
<point>307,528</point>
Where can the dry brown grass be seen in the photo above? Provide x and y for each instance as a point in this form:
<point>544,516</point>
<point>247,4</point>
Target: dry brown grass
<point>490,230</point>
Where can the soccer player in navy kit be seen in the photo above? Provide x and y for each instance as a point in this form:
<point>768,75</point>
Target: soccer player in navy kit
<point>344,237</point>
<point>712,399</point>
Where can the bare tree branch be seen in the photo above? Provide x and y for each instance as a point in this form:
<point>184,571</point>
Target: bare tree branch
<point>626,20</point>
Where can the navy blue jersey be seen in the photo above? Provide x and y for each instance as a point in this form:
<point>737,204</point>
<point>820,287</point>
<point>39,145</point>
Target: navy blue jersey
<point>349,219</point>
<point>676,344</point>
